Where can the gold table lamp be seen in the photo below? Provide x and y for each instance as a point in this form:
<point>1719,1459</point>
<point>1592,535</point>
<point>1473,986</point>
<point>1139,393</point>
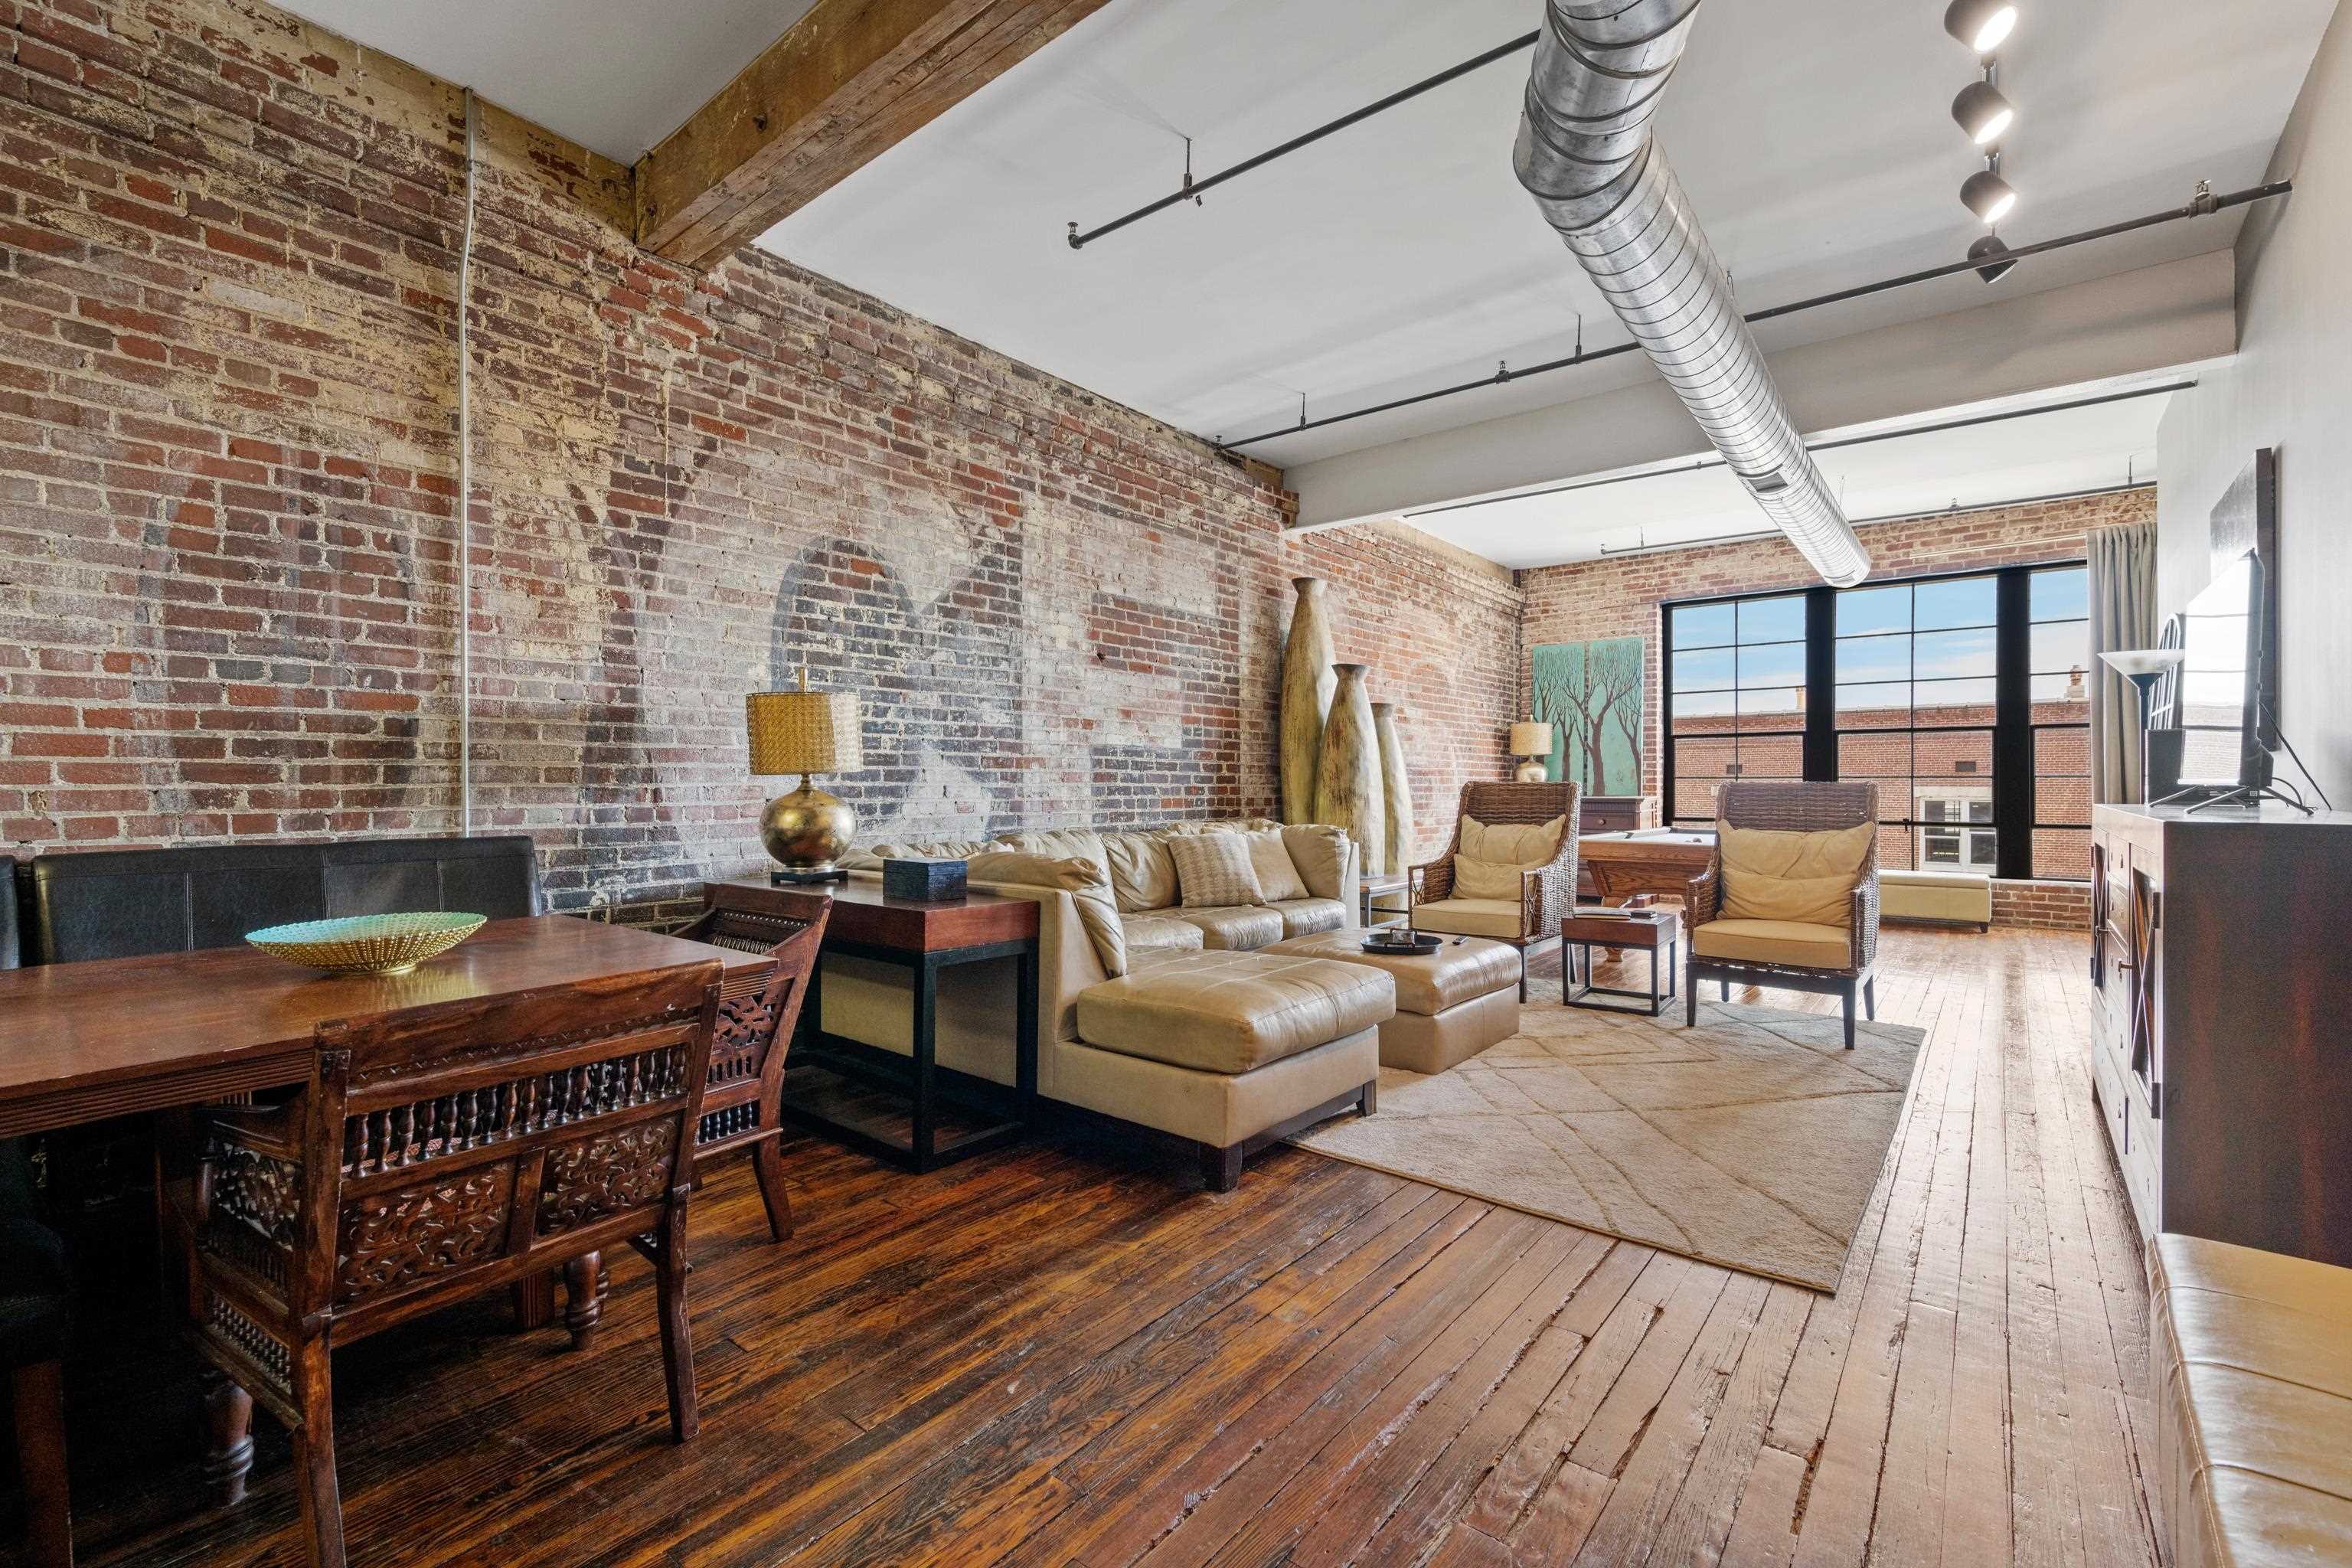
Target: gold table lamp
<point>1533,741</point>
<point>806,732</point>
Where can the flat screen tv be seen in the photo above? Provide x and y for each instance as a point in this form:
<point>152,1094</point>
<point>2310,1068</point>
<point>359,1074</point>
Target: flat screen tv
<point>2218,699</point>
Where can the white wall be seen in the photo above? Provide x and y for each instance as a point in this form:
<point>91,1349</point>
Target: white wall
<point>2290,387</point>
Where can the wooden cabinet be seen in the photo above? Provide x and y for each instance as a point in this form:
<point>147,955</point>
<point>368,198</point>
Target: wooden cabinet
<point>2221,1023</point>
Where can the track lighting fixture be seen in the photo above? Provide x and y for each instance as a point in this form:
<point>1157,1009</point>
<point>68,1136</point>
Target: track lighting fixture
<point>1990,244</point>
<point>1982,111</point>
<point>1988,196</point>
<point>1981,25</point>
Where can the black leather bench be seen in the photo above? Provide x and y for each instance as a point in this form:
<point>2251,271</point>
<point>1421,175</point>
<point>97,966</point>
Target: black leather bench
<point>121,903</point>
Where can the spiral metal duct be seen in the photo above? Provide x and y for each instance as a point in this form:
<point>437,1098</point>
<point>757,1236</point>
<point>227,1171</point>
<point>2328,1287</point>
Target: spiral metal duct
<point>1585,154</point>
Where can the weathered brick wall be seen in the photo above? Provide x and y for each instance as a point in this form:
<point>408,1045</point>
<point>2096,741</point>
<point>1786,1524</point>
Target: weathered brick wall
<point>228,561</point>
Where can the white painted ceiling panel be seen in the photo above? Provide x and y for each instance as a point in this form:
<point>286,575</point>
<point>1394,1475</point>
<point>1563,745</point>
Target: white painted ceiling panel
<point>616,75</point>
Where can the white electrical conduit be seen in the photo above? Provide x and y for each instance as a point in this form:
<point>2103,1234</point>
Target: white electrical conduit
<point>465,498</point>
<point>1586,154</point>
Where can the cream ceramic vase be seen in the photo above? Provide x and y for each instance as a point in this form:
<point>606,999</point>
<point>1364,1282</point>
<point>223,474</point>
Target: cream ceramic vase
<point>1306,685</point>
<point>1348,773</point>
<point>1396,791</point>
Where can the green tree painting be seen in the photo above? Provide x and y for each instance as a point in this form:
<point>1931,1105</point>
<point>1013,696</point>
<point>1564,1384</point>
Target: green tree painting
<point>1590,694</point>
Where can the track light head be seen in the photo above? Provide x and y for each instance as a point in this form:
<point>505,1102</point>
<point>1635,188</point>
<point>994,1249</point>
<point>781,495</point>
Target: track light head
<point>1981,25</point>
<point>1980,110</point>
<point>1988,196</point>
<point>1990,244</point>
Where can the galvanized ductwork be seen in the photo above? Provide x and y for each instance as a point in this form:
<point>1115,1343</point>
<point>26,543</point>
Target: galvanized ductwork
<point>1586,154</point>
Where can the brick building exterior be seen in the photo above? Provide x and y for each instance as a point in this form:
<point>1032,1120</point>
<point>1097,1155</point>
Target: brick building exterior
<point>228,564</point>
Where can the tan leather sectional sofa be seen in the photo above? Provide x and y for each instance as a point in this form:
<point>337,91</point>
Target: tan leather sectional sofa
<point>1150,1013</point>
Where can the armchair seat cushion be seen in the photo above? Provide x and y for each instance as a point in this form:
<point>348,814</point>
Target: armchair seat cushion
<point>1304,916</point>
<point>1235,926</point>
<point>1471,917</point>
<point>1796,944</point>
<point>1233,1013</point>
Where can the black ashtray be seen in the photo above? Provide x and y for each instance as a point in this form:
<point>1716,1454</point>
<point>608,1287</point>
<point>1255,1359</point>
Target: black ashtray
<point>1415,942</point>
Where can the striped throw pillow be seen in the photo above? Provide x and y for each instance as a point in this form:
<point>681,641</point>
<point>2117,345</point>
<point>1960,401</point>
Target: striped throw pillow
<point>1214,870</point>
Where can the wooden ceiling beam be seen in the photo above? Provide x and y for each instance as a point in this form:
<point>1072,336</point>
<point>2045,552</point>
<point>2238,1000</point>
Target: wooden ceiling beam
<point>849,80</point>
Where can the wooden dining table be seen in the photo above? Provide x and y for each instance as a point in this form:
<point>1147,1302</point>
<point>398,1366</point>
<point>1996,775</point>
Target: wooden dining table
<point>80,1042</point>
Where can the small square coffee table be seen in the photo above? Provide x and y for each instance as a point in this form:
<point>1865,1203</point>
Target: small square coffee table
<point>1658,932</point>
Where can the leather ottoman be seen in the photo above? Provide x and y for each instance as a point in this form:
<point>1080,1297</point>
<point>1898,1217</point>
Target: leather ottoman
<point>1450,1005</point>
<point>2252,1386</point>
<point>1232,1051</point>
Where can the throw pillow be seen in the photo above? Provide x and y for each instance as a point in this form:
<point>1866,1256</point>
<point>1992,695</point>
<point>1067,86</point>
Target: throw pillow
<point>1512,843</point>
<point>1214,870</point>
<point>1807,878</point>
<point>1277,878</point>
<point>1319,853</point>
<point>1142,873</point>
<point>1088,887</point>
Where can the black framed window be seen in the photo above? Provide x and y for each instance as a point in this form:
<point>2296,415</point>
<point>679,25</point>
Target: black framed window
<point>1963,694</point>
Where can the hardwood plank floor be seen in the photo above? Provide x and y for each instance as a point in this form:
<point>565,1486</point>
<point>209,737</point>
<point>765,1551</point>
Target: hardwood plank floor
<point>1068,1354</point>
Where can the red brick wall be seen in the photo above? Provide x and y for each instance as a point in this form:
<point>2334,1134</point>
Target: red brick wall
<point>228,589</point>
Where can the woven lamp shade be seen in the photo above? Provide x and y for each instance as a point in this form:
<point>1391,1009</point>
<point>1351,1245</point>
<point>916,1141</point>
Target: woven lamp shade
<point>805,731</point>
<point>1529,739</point>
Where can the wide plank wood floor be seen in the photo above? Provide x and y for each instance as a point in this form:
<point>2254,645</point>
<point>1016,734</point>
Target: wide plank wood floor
<point>1068,1353</point>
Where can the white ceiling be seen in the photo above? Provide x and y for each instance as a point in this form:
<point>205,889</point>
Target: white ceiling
<point>1813,136</point>
<point>2016,459</point>
<point>616,75</point>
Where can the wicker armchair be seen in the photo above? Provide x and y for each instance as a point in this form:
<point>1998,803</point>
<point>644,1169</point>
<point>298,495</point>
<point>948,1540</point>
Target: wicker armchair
<point>1545,893</point>
<point>1790,807</point>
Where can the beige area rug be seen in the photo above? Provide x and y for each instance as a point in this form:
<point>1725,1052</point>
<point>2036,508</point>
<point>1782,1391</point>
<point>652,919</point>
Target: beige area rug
<point>1752,1140</point>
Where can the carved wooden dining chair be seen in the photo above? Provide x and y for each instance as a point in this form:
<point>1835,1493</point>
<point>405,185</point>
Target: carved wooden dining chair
<point>740,1108</point>
<point>436,1154</point>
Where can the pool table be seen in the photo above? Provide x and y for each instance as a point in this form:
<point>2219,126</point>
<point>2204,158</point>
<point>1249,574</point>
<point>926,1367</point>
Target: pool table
<point>1659,860</point>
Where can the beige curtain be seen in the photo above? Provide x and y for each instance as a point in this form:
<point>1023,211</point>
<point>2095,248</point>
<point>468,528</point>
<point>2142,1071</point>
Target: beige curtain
<point>2122,614</point>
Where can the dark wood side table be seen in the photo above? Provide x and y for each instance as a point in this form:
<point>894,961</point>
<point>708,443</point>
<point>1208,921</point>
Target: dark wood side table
<point>923,939</point>
<point>1658,933</point>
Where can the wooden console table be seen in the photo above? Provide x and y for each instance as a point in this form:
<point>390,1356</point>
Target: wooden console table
<point>923,939</point>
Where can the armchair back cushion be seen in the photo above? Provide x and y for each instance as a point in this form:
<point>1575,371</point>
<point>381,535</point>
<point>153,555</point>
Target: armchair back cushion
<point>1214,870</point>
<point>1493,855</point>
<point>1807,878</point>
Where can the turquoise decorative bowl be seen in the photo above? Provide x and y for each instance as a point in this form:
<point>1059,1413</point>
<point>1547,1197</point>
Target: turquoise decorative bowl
<point>368,944</point>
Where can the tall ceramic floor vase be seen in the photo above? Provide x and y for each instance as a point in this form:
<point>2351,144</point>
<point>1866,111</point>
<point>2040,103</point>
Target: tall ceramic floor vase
<point>1348,775</point>
<point>1396,790</point>
<point>1307,684</point>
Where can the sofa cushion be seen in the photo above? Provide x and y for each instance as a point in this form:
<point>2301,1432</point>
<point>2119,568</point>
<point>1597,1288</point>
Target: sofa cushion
<point>1160,931</point>
<point>1084,881</point>
<point>1231,1012</point>
<point>2253,1381</point>
<point>1471,916</point>
<point>1064,844</point>
<point>1321,852</point>
<point>1277,878</point>
<point>1236,927</point>
<point>1142,872</point>
<point>1214,870</point>
<point>1808,877</point>
<point>1804,943</point>
<point>1303,917</point>
<point>1426,983</point>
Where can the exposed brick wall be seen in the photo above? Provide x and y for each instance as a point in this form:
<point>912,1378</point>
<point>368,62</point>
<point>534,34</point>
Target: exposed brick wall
<point>228,579</point>
<point>2050,906</point>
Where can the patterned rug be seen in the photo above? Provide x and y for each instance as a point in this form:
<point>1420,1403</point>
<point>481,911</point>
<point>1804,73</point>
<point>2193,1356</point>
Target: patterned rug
<point>1752,1140</point>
